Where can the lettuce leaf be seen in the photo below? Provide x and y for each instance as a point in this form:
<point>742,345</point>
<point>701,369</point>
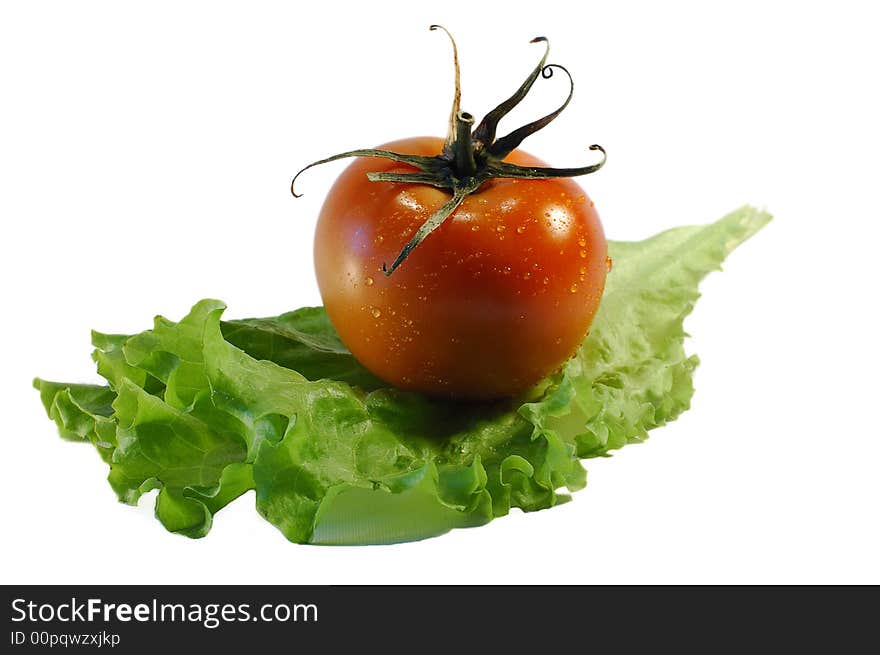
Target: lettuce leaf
<point>205,410</point>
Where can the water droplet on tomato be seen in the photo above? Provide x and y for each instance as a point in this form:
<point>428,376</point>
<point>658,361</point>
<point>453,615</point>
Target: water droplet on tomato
<point>582,242</point>
<point>475,228</point>
<point>376,312</point>
<point>608,264</point>
<point>526,275</point>
<point>369,281</point>
<point>546,280</point>
<point>573,288</point>
<point>520,229</point>
<point>583,254</point>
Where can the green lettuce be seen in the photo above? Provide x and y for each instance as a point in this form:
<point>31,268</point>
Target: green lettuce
<point>204,410</point>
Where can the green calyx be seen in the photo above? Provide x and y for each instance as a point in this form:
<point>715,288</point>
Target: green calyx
<point>470,156</point>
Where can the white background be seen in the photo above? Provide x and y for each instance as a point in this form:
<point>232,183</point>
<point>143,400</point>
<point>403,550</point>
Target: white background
<point>145,158</point>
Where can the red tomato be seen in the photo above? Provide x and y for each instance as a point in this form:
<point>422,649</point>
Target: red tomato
<point>496,298</point>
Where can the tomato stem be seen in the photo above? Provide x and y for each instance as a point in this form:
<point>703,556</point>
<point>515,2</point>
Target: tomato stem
<point>471,156</point>
<point>462,147</point>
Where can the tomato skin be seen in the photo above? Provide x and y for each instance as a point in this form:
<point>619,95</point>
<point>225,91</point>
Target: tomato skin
<point>496,298</point>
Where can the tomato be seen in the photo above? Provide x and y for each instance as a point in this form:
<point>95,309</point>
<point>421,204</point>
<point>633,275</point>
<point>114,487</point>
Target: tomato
<point>496,298</point>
